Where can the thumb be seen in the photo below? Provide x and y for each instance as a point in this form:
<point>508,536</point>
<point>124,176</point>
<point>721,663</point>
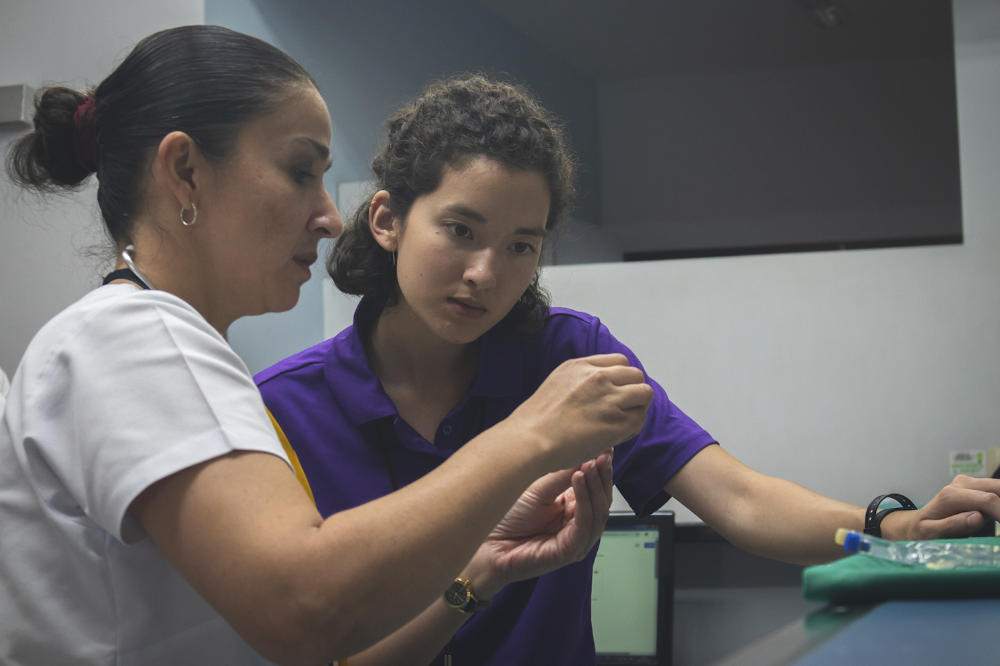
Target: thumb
<point>550,486</point>
<point>959,525</point>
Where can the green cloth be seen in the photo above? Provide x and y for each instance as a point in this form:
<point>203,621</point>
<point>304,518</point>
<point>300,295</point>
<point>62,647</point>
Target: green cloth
<point>861,578</point>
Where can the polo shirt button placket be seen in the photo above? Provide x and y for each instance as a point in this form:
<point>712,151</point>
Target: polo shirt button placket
<point>446,430</point>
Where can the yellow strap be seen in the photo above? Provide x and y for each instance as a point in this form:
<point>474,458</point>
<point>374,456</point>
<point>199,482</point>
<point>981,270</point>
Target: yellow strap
<point>294,459</point>
<point>299,473</point>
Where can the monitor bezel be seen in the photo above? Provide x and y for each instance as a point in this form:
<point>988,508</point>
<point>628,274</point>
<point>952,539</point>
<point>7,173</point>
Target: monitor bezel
<point>664,521</point>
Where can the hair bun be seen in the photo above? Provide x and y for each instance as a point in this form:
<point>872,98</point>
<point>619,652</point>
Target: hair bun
<point>88,153</point>
<point>47,158</point>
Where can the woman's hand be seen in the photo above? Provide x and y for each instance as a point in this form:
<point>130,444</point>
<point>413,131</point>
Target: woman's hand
<point>555,522</point>
<point>958,510</point>
<point>585,406</point>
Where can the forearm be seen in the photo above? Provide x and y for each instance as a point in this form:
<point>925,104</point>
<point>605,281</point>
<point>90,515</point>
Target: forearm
<point>761,514</point>
<point>555,522</point>
<point>314,590</point>
<point>416,541</point>
<point>303,590</point>
<point>417,643</point>
<point>421,639</point>
<point>784,521</point>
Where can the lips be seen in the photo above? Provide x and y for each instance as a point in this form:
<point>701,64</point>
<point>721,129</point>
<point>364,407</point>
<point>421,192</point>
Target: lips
<point>307,259</point>
<point>467,307</point>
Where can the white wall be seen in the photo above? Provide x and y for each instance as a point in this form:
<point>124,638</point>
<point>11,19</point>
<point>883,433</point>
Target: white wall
<point>853,373</point>
<point>42,269</point>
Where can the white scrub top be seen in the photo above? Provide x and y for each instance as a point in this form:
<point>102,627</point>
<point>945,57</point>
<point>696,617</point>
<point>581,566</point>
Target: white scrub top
<point>120,390</point>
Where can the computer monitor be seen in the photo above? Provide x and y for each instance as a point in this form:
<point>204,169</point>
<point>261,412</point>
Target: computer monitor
<point>632,599</point>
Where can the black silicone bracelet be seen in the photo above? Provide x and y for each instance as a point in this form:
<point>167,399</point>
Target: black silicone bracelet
<point>873,517</point>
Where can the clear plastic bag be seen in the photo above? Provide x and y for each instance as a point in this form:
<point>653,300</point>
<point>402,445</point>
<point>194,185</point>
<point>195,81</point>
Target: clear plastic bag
<point>925,554</point>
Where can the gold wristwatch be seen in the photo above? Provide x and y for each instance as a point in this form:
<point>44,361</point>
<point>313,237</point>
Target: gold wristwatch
<point>460,597</point>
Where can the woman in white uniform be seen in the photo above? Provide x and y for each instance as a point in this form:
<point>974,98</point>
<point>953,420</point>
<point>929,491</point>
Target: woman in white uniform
<point>148,512</point>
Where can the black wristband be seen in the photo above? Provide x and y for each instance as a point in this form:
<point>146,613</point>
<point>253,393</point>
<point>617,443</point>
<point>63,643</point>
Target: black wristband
<point>873,517</point>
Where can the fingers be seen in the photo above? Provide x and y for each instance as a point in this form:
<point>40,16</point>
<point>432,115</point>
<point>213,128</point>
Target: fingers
<point>614,367</point>
<point>631,387</point>
<point>587,404</point>
<point>591,509</point>
<point>959,525</point>
<point>960,509</point>
<point>966,494</point>
<point>978,483</point>
<point>623,375</point>
<point>584,514</point>
<point>634,396</point>
<point>991,486</point>
<point>607,360</point>
<point>605,471</point>
<point>600,496</point>
<point>637,420</point>
<point>550,486</point>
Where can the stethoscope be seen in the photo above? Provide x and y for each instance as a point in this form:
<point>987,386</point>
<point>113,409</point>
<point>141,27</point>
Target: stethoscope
<point>127,258</point>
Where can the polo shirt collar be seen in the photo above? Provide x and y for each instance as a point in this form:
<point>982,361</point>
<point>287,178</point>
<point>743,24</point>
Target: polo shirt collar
<point>350,379</point>
<point>357,389</point>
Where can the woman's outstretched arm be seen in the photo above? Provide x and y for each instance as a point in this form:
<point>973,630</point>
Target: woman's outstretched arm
<point>303,590</point>
<point>784,521</point>
<point>555,522</point>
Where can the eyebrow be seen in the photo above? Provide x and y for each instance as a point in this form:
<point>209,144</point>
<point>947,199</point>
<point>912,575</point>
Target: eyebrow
<point>321,150</point>
<point>470,214</point>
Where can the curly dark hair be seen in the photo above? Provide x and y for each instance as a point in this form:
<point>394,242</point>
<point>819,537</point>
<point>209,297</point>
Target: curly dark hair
<point>449,124</point>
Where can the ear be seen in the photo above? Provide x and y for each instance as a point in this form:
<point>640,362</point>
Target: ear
<point>385,230</point>
<point>178,167</point>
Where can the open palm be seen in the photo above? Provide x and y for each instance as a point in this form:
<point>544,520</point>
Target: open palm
<point>555,522</point>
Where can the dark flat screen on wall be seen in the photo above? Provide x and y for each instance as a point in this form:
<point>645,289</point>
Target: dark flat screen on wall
<point>731,127</point>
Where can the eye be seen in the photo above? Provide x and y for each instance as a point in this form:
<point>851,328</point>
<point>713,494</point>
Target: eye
<point>459,229</point>
<point>300,175</point>
<point>523,248</point>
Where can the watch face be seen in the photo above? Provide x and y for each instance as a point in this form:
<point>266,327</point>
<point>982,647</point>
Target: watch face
<point>457,595</point>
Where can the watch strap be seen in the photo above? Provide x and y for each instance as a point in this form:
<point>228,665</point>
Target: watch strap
<point>473,605</point>
<point>874,517</point>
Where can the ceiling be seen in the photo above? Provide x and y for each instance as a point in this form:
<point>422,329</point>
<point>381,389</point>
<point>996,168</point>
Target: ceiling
<point>627,39</point>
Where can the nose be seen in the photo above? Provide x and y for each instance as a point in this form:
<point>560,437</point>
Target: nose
<point>481,271</point>
<point>326,220</point>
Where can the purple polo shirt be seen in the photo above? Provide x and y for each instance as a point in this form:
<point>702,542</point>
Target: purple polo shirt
<point>354,448</point>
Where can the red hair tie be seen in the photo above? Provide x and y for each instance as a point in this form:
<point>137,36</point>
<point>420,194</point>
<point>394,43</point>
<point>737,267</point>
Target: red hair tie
<point>84,135</point>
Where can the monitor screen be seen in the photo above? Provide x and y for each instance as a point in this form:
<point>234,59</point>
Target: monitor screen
<point>626,592</point>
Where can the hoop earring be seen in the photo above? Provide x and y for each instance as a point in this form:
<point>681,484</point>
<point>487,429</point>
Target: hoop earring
<point>194,217</point>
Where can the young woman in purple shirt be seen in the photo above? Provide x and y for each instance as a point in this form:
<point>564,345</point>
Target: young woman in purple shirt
<point>454,332</point>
